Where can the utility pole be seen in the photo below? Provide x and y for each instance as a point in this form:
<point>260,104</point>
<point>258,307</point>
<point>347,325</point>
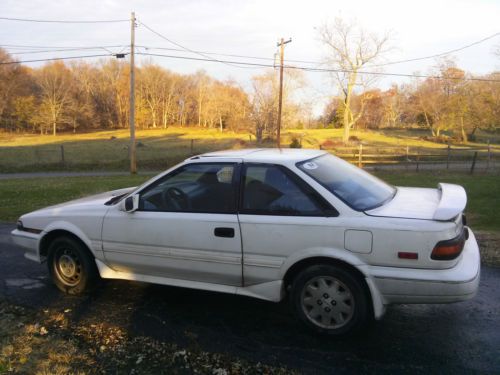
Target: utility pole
<point>281,44</point>
<point>132,153</point>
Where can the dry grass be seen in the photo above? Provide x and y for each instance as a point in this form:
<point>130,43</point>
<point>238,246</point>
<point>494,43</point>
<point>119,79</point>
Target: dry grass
<point>108,150</point>
<point>160,148</point>
<point>182,133</point>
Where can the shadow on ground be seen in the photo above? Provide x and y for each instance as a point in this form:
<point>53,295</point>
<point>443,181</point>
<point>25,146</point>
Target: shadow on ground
<point>455,338</point>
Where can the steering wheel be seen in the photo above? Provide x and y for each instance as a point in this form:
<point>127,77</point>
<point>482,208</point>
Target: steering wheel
<point>176,197</point>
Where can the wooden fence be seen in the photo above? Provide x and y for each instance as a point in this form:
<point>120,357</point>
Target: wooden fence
<point>446,157</point>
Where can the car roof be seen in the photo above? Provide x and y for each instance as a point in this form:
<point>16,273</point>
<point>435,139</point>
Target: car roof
<point>267,155</point>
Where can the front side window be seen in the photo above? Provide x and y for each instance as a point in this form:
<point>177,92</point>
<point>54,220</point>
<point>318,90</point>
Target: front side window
<point>200,187</point>
<point>359,189</point>
<point>270,190</point>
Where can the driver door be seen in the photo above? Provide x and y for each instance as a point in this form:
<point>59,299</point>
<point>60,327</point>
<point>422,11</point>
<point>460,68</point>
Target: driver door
<point>186,227</point>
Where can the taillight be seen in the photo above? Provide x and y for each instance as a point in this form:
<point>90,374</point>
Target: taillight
<point>449,249</point>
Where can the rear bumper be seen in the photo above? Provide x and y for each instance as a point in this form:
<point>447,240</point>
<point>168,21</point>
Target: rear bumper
<point>406,285</point>
<point>29,242</point>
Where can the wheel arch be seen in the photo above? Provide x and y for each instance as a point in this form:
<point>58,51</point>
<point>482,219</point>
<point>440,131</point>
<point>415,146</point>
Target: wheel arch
<point>302,264</point>
<point>375,304</point>
<point>55,231</point>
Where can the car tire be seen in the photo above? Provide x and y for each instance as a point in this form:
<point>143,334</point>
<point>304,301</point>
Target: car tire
<point>71,266</point>
<point>330,300</point>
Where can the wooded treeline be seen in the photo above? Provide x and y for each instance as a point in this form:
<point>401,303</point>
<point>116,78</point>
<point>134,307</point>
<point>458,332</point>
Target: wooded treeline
<point>450,104</point>
<point>83,96</point>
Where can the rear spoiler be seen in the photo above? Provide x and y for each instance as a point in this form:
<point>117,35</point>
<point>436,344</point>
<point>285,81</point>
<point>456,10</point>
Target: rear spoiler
<point>452,201</point>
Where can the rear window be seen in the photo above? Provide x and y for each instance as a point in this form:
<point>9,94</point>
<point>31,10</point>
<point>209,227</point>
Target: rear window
<point>357,188</point>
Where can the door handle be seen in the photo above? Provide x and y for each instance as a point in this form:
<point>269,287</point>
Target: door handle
<point>224,232</point>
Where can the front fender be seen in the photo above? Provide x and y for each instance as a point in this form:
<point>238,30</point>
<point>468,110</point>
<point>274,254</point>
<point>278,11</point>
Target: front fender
<point>94,246</point>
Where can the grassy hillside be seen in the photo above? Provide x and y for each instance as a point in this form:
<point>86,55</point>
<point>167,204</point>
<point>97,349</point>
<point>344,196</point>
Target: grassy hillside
<point>160,148</point>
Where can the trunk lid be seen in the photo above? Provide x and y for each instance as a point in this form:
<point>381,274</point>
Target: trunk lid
<point>442,204</point>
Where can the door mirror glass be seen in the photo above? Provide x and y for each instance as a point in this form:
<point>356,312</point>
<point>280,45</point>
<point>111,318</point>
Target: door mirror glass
<point>131,203</point>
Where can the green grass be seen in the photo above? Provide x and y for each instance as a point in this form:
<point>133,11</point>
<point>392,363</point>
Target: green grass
<point>18,196</point>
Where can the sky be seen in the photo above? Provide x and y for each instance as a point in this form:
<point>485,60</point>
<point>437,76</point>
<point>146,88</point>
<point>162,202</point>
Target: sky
<point>252,28</point>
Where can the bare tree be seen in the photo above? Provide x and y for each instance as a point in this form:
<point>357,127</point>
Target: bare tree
<point>393,106</point>
<point>203,81</point>
<point>111,86</point>
<point>151,80</point>
<point>55,83</point>
<point>15,81</point>
<point>169,86</point>
<point>264,100</point>
<point>350,49</point>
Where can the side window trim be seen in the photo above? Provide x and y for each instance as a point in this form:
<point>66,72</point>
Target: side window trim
<point>327,209</point>
<point>235,184</point>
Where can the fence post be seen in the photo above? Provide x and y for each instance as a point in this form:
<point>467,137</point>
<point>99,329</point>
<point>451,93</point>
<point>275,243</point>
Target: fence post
<point>417,157</point>
<point>192,146</point>
<point>360,156</point>
<point>489,156</point>
<point>62,154</point>
<point>473,162</point>
<point>448,157</point>
<point>407,160</point>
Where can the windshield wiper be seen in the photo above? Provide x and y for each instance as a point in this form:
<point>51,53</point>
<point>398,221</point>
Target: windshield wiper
<point>114,199</point>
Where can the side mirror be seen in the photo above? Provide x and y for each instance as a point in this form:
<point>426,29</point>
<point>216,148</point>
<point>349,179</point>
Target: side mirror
<point>131,203</point>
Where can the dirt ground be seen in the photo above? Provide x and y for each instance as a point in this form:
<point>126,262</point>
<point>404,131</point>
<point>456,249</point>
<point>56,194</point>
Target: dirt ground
<point>49,342</point>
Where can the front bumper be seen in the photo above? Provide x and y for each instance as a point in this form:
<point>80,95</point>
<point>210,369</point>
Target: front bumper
<point>29,242</point>
<point>406,285</point>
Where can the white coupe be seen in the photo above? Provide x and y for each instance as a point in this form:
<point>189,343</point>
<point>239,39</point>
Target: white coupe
<point>268,223</point>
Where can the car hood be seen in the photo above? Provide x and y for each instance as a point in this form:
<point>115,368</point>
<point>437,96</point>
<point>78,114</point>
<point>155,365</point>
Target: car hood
<point>92,200</point>
<point>443,203</point>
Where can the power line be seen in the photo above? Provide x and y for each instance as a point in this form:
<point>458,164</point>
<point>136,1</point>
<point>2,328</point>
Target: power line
<point>440,54</point>
<point>394,74</point>
<point>230,55</point>
<point>47,47</point>
<point>319,62</point>
<point>54,59</point>
<point>59,50</point>
<point>322,70</point>
<point>203,53</point>
<point>59,21</point>
<point>188,49</point>
<point>257,65</point>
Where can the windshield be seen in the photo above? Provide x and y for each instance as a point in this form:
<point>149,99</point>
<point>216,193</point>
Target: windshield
<point>357,188</point>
